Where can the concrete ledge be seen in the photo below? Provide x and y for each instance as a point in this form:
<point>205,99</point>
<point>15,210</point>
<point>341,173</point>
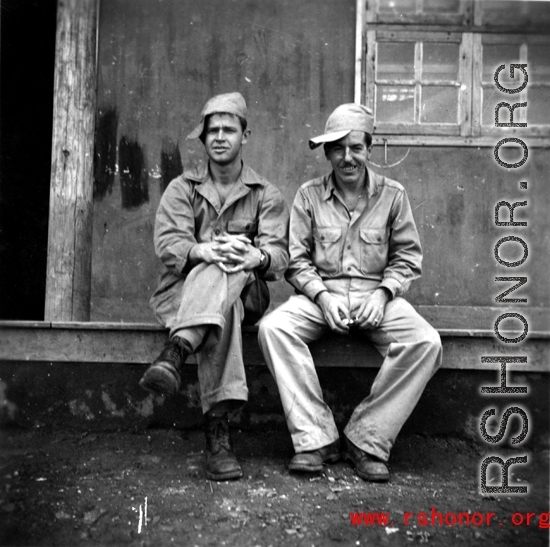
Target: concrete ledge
<point>73,375</point>
<point>138,343</point>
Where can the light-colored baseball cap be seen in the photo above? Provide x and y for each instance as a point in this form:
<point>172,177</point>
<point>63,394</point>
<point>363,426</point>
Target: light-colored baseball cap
<point>345,118</point>
<point>232,103</point>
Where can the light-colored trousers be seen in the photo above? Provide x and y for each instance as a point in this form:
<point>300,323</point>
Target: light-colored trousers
<point>412,353</point>
<point>206,311</point>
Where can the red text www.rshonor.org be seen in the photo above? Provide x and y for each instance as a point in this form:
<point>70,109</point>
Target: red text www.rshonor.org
<point>436,518</point>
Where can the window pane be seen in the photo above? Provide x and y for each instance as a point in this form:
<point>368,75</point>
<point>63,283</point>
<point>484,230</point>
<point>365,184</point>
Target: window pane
<point>500,54</point>
<point>538,102</point>
<point>440,61</point>
<point>538,63</point>
<point>395,104</point>
<point>491,97</point>
<point>441,6</point>
<point>439,105</point>
<point>395,61</point>
<point>397,6</point>
<point>515,13</point>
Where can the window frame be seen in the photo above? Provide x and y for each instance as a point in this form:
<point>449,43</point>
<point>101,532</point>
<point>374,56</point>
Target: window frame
<point>373,28</point>
<point>461,128</point>
<point>524,41</point>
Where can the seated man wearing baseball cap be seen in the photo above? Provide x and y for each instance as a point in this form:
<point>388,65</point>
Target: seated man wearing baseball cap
<point>354,250</point>
<point>219,228</point>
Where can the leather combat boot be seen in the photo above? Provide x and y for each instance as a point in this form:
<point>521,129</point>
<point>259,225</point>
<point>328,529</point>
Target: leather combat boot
<point>163,377</point>
<point>221,463</point>
<point>367,466</point>
<point>313,461</point>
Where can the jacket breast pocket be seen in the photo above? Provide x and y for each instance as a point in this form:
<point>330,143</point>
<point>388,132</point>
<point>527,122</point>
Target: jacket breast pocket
<point>327,248</point>
<point>248,227</point>
<point>374,249</point>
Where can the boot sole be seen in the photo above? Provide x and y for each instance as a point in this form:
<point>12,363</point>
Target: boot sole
<point>313,468</point>
<point>365,476</point>
<point>160,381</point>
<point>230,475</point>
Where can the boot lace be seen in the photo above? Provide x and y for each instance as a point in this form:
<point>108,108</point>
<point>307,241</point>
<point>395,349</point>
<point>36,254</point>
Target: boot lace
<point>218,434</point>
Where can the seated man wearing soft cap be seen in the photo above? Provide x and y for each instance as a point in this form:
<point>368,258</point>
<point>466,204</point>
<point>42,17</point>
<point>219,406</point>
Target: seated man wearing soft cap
<point>354,251</point>
<point>218,229</point>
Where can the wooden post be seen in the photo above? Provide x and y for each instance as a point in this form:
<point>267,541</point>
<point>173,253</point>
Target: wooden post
<point>68,282</point>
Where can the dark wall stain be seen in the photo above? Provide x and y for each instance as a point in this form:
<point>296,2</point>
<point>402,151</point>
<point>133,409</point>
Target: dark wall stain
<point>133,173</point>
<point>170,162</point>
<point>105,152</point>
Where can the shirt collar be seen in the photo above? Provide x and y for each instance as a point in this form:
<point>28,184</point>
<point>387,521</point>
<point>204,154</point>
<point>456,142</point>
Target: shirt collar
<point>200,175</point>
<point>373,184</point>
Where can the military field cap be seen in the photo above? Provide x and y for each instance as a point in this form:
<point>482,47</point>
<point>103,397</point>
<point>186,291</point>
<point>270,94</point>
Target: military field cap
<point>346,118</point>
<point>232,103</point>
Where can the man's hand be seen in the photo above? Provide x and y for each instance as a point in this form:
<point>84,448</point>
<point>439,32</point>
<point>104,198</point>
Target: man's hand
<point>208,252</point>
<point>238,252</point>
<point>336,313</point>
<point>372,311</point>
<point>231,253</point>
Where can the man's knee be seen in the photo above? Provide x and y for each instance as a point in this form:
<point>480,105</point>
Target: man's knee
<point>432,344</point>
<point>268,325</point>
<point>433,339</point>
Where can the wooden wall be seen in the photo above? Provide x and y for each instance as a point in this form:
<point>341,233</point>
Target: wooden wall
<point>453,192</point>
<point>159,60</point>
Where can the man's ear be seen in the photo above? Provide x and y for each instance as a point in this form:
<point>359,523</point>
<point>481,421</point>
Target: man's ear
<point>246,135</point>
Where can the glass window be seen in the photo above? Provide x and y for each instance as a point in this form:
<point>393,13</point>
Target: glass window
<point>441,6</point>
<point>440,61</point>
<point>427,81</point>
<point>538,111</point>
<point>439,105</point>
<point>491,97</point>
<point>538,58</point>
<point>493,55</point>
<point>397,6</point>
<point>417,83</point>
<point>395,61</point>
<point>395,104</point>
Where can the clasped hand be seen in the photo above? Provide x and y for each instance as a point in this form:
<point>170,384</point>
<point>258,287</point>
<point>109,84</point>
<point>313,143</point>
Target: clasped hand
<point>338,316</point>
<point>231,253</point>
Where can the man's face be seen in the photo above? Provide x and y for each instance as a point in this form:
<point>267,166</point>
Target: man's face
<point>223,138</point>
<point>348,157</point>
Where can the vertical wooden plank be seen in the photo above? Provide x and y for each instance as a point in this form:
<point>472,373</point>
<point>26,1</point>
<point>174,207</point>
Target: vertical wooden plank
<point>359,50</point>
<point>418,60</point>
<point>477,84</point>
<point>369,87</point>
<point>71,187</point>
<point>465,77</point>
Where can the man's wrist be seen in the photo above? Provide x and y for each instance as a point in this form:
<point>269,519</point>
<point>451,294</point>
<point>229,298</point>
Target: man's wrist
<point>387,292</point>
<point>195,254</point>
<point>318,297</point>
<point>264,261</point>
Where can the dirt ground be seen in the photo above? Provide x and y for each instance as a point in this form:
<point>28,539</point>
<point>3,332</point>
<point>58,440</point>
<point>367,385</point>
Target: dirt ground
<point>148,488</point>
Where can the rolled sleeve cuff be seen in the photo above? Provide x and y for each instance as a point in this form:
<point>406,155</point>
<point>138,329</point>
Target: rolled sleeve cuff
<point>179,256</point>
<point>278,262</point>
<point>313,288</point>
<point>393,285</point>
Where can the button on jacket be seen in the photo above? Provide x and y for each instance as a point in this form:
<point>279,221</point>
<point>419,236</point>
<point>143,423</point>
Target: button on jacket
<point>190,212</point>
<point>378,242</point>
